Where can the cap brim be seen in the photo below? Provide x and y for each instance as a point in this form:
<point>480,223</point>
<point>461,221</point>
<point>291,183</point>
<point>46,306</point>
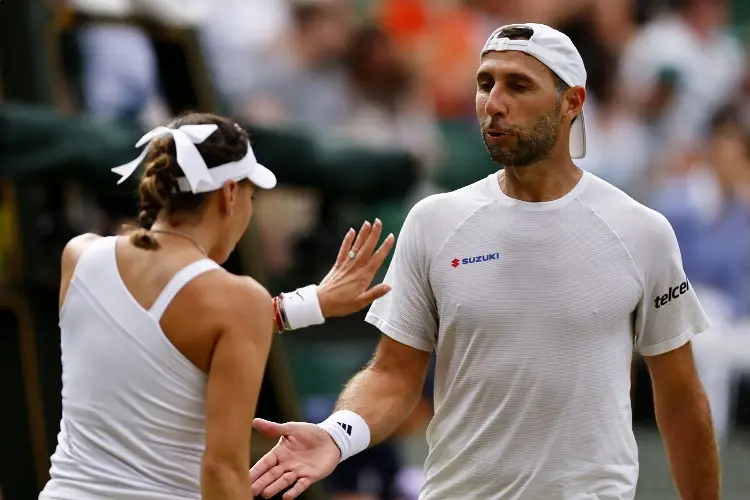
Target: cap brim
<point>578,138</point>
<point>262,177</point>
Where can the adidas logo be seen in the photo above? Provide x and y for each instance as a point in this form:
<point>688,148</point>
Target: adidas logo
<point>346,427</point>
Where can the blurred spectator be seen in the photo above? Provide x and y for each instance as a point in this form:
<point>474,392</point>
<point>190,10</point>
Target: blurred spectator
<point>386,110</point>
<point>119,66</point>
<point>119,78</point>
<point>619,144</point>
<point>744,103</point>
<point>609,22</point>
<point>708,205</point>
<point>687,56</point>
<point>444,38</point>
<point>301,81</point>
<point>236,35</point>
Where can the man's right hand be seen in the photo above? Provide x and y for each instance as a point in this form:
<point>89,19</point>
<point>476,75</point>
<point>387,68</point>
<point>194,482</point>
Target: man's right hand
<point>305,454</point>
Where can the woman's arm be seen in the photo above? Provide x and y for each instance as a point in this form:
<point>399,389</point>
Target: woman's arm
<point>235,374</point>
<point>345,290</point>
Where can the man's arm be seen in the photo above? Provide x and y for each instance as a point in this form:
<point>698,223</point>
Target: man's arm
<point>684,419</point>
<point>385,393</point>
<point>378,399</point>
<point>382,395</point>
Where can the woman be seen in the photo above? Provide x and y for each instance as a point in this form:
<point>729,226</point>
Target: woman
<point>163,351</point>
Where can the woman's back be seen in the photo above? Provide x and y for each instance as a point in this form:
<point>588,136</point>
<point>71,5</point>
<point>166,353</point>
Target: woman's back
<point>133,423</point>
<point>163,352</point>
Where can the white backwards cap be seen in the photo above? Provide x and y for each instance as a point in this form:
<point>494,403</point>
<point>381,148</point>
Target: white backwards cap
<point>198,177</point>
<point>556,51</point>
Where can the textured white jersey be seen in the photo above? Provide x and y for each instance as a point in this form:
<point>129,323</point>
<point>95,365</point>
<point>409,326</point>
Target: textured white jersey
<point>534,310</point>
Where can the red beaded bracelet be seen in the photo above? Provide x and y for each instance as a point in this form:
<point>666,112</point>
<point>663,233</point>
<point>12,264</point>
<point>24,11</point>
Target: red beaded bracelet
<point>277,315</point>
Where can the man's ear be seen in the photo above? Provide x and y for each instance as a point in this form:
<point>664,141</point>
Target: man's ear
<point>574,99</point>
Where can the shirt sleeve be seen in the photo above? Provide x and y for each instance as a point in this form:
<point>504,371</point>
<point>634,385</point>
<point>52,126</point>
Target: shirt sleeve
<point>669,313</point>
<point>408,314</point>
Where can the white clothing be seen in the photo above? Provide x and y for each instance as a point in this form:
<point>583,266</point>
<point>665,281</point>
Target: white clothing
<point>174,13</point>
<point>133,423</point>
<point>619,150</point>
<point>533,310</point>
<point>710,73</point>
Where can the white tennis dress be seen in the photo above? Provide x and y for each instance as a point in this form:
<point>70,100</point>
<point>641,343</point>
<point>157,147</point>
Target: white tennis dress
<point>133,407</point>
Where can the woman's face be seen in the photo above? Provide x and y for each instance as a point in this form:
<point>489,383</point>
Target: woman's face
<point>238,203</point>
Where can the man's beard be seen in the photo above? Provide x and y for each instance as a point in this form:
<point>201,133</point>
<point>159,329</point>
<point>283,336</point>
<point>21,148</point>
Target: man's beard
<point>533,144</point>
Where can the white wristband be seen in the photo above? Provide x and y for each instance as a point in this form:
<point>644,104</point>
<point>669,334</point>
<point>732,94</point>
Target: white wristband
<point>349,431</point>
<point>302,308</point>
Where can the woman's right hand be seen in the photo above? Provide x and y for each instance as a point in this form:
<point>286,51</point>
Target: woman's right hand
<point>346,287</point>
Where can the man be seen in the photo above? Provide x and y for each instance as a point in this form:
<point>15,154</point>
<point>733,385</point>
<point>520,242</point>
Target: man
<point>532,286</point>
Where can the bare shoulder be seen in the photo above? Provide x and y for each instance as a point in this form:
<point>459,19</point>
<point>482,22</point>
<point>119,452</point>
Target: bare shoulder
<point>76,247</point>
<point>235,299</point>
<point>245,288</point>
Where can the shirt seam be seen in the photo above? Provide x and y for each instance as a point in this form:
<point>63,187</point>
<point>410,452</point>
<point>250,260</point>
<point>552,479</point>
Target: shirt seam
<point>619,239</point>
<point>458,226</point>
<point>689,332</point>
<point>394,328</point>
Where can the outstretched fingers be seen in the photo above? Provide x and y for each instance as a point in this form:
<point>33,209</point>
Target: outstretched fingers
<point>268,428</point>
<point>266,478</point>
<point>365,251</point>
<point>379,257</point>
<point>284,481</point>
<point>299,488</point>
<point>362,235</point>
<point>374,293</point>
<point>346,245</point>
<point>265,464</point>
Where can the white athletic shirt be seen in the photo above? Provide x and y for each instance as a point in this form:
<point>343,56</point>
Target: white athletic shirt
<point>133,407</point>
<point>533,310</point>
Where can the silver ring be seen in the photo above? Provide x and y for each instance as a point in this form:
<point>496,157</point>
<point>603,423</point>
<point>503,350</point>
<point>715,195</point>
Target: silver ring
<point>352,254</point>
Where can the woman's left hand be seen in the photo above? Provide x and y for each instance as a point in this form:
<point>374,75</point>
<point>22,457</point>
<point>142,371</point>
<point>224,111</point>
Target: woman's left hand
<point>346,287</point>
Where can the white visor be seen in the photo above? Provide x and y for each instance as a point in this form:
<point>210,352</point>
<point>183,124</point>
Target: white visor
<point>198,177</point>
<point>247,168</point>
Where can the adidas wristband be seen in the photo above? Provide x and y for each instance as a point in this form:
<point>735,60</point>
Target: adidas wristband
<point>349,431</point>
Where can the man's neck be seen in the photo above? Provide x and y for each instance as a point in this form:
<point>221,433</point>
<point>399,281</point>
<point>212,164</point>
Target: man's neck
<point>543,181</point>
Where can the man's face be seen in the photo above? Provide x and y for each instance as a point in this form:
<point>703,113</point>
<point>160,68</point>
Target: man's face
<point>518,106</point>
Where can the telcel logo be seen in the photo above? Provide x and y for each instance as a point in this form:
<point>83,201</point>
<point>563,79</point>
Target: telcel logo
<point>673,293</point>
<point>474,260</point>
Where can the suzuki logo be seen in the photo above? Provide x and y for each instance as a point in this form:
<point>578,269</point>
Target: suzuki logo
<point>474,260</point>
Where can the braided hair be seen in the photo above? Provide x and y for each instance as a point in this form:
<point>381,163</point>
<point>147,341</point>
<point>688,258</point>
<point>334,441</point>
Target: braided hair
<point>158,191</point>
